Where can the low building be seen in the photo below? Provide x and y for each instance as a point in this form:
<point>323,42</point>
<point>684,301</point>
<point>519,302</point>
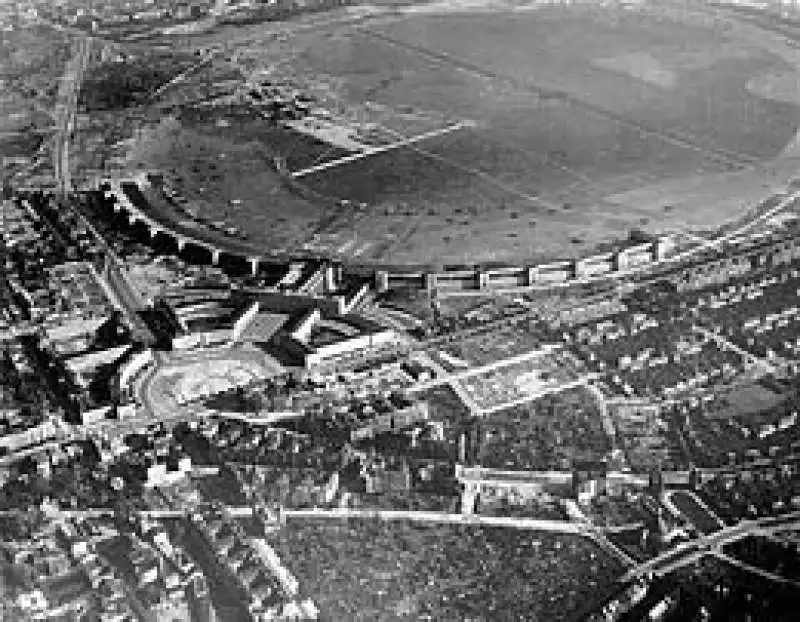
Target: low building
<point>401,416</point>
<point>384,480</point>
<point>171,610</point>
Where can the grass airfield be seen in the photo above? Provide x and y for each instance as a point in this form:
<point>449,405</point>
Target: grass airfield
<point>656,123</point>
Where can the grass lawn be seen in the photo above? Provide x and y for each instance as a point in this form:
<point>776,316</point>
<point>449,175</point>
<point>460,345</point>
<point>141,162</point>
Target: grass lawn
<point>574,144</point>
<point>698,516</point>
<point>745,402</point>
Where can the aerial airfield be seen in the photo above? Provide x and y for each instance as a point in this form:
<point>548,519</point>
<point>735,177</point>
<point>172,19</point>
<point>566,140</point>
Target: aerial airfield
<point>400,310</point>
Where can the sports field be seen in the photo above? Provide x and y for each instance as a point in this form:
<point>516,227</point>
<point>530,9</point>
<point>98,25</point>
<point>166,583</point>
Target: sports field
<point>590,121</point>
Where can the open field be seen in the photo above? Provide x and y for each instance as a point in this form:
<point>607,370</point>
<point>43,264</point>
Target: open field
<point>31,59</point>
<point>186,380</point>
<point>651,123</point>
<point>743,403</point>
<point>215,165</point>
<point>516,381</point>
<point>22,126</point>
<point>365,570</point>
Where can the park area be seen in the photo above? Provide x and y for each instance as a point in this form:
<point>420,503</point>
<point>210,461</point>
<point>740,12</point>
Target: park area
<point>695,512</point>
<point>375,570</point>
<point>652,122</point>
<point>552,433</point>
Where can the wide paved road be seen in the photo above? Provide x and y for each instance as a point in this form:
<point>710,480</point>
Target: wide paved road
<point>689,552</point>
<point>480,369</point>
